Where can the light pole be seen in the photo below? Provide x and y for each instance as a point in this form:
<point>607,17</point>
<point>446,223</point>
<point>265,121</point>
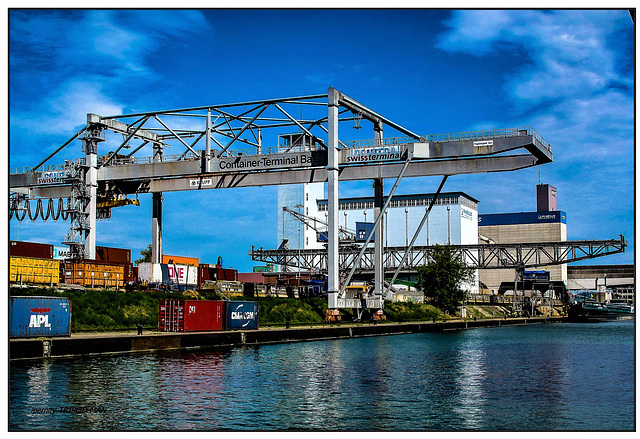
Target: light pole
<point>449,225</point>
<point>406,221</point>
<point>365,215</point>
<point>345,220</point>
<point>299,206</point>
<point>426,210</point>
<point>386,228</point>
<point>283,217</point>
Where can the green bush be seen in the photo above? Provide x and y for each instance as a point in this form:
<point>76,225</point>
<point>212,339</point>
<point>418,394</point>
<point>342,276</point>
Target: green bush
<point>409,311</point>
<point>276,311</point>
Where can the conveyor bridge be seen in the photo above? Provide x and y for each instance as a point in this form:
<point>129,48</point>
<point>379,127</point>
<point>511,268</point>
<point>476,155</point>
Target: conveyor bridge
<point>480,256</point>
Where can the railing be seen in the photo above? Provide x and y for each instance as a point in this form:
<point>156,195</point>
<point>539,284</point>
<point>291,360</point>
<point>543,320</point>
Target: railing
<point>121,161</point>
<point>452,137</point>
<point>45,168</point>
<point>376,143</point>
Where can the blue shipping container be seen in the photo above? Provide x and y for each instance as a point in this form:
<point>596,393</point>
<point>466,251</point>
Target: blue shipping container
<point>39,317</point>
<point>242,315</point>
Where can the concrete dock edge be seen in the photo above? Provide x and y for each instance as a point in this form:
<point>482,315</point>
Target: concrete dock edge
<point>97,344</point>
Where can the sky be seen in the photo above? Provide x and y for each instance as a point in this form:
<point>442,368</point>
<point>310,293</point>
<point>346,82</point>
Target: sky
<point>569,74</point>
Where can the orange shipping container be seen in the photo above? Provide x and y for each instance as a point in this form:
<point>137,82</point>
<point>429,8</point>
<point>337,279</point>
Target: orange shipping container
<point>181,260</point>
<point>92,274</point>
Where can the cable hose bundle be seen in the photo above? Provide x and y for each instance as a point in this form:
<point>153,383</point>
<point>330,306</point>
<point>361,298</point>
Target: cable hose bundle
<point>40,212</point>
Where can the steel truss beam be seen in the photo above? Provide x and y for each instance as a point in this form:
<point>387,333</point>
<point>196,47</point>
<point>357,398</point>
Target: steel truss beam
<point>480,256</point>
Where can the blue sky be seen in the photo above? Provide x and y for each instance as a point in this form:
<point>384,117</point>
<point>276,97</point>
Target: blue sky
<point>568,74</point>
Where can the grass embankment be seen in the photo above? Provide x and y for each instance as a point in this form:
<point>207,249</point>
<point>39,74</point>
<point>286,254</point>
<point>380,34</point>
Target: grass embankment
<point>110,310</point>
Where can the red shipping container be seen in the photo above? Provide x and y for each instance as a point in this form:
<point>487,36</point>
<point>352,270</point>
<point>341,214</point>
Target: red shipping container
<point>254,278</point>
<point>206,273</point>
<point>128,272</point>
<point>190,315</point>
<point>216,272</point>
<point>31,250</point>
<point>111,254</point>
<point>227,274</point>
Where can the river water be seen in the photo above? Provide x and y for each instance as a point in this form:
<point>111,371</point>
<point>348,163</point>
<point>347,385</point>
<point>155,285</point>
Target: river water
<point>556,377</point>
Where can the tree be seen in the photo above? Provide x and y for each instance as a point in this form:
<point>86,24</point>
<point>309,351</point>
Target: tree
<point>442,279</point>
<point>146,255</point>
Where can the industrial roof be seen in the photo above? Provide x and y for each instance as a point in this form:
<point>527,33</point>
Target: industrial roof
<point>402,197</point>
<point>502,219</point>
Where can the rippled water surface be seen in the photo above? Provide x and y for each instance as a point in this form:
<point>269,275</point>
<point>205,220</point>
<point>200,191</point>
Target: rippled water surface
<point>538,377</point>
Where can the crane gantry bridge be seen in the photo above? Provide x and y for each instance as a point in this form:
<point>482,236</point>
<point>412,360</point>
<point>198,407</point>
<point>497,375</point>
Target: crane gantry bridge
<point>222,146</point>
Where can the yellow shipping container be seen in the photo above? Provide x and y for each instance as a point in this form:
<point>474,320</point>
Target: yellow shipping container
<point>34,270</point>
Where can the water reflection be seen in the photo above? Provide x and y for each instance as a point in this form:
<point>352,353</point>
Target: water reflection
<point>540,377</point>
<point>470,377</point>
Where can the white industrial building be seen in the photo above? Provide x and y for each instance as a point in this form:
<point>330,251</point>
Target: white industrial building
<point>453,218</point>
<point>301,198</point>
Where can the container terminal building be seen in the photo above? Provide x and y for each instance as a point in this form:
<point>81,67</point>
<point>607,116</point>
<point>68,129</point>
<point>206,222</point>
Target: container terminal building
<point>453,218</point>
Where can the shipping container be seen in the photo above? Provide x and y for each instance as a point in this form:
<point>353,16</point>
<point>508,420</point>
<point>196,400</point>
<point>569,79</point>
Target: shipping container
<point>180,260</point>
<point>111,254</point>
<point>190,315</point>
<point>61,253</point>
<point>206,272</point>
<point>227,274</point>
<point>93,274</point>
<point>128,272</point>
<point>215,272</point>
<point>241,315</point>
<point>182,276</point>
<point>39,317</point>
<point>23,270</point>
<point>255,278</point>
<point>31,250</point>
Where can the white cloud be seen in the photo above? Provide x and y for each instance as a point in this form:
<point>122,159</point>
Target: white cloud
<point>568,52</point>
<point>74,100</point>
<point>73,62</point>
<point>475,32</point>
<point>573,90</point>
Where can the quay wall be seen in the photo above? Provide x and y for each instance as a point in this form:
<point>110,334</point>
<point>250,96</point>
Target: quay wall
<point>103,344</point>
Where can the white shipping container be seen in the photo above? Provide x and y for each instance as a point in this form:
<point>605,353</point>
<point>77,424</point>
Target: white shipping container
<point>61,253</point>
<point>168,273</point>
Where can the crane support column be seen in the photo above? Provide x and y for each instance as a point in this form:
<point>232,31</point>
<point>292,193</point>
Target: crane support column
<point>156,226</point>
<point>207,154</point>
<point>378,193</point>
<point>156,215</point>
<point>90,211</point>
<point>332,178</point>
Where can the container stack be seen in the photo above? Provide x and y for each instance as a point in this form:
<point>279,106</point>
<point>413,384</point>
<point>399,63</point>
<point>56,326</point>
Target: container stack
<point>33,263</point>
<point>206,315</point>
